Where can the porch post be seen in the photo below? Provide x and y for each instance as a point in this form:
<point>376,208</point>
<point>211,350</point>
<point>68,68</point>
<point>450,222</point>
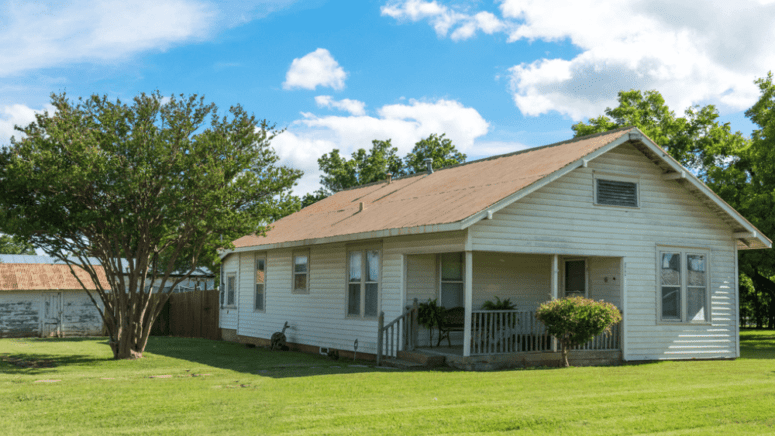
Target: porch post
<point>555,288</point>
<point>469,301</point>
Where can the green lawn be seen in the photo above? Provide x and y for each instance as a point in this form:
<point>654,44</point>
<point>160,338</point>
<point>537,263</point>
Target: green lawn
<point>223,388</point>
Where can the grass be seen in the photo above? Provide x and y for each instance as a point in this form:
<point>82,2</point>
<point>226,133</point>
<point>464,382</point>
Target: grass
<point>225,388</point>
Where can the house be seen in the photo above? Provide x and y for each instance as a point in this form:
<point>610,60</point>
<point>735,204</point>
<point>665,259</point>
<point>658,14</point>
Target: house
<point>40,297</point>
<point>609,216</point>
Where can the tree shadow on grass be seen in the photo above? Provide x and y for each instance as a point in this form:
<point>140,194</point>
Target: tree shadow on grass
<point>257,360</point>
<point>761,346</point>
<point>38,363</point>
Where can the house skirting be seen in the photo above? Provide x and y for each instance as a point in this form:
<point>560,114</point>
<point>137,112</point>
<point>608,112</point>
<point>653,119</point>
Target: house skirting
<point>521,360</point>
<point>232,336</point>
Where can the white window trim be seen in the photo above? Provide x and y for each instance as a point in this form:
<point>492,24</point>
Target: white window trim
<point>615,178</point>
<point>439,281</point>
<point>256,258</point>
<point>296,253</point>
<point>684,251</point>
<point>363,250</point>
<point>586,275</point>
<point>226,304</point>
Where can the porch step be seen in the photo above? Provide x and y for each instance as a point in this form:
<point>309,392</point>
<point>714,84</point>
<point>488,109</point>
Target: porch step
<point>403,364</point>
<point>429,361</point>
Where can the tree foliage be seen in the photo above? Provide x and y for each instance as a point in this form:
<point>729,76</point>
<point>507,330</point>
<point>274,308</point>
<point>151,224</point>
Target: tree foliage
<point>373,165</point>
<point>157,182</point>
<point>436,147</point>
<point>576,320</point>
<point>11,245</point>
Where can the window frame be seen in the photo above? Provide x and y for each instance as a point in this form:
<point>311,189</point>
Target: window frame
<point>441,281</point>
<point>363,250</point>
<point>298,253</point>
<point>615,178</point>
<point>256,259</point>
<point>233,304</point>
<point>684,253</point>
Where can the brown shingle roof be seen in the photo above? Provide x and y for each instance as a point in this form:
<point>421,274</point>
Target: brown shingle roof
<point>447,196</point>
<point>40,277</point>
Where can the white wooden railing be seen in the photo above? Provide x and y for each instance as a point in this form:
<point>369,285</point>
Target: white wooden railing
<point>399,334</point>
<point>515,331</point>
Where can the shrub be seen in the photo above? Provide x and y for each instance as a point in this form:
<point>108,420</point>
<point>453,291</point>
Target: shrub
<point>499,305</point>
<point>429,315</point>
<point>576,320</point>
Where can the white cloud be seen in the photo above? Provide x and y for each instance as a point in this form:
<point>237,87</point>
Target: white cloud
<point>310,137</point>
<point>16,115</point>
<point>315,69</point>
<point>354,107</point>
<point>693,52</point>
<point>443,18</point>
<point>46,34</point>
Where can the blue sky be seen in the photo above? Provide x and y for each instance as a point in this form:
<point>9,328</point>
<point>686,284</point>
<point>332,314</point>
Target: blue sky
<point>494,76</point>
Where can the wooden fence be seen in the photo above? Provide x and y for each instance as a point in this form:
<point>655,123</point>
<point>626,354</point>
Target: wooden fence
<point>189,315</point>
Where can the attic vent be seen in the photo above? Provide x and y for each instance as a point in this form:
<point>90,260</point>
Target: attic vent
<point>615,193</point>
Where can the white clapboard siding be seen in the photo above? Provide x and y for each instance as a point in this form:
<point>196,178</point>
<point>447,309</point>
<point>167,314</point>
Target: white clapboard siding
<point>561,218</point>
<point>20,314</point>
<point>318,318</point>
<point>228,315</point>
<point>522,278</point>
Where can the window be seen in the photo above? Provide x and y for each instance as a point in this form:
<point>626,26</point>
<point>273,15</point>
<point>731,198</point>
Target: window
<point>451,280</point>
<point>575,278</point>
<point>301,272</point>
<point>616,193</point>
<point>363,283</point>
<point>231,284</point>
<point>683,286</point>
<point>258,304</point>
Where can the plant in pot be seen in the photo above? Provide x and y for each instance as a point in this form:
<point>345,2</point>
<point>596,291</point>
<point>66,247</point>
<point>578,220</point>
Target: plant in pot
<point>429,316</point>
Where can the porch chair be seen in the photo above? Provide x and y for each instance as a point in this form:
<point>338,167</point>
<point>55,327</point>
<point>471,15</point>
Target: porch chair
<point>451,320</point>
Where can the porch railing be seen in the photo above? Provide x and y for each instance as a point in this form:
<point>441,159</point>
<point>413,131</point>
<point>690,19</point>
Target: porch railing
<point>515,331</point>
<point>399,334</point>
<point>507,331</point>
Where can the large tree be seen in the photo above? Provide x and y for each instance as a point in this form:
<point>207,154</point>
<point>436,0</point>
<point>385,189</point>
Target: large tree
<point>739,170</point>
<point>435,147</point>
<point>152,184</point>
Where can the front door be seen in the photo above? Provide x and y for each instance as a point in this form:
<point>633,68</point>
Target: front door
<point>52,314</point>
<point>576,278</point>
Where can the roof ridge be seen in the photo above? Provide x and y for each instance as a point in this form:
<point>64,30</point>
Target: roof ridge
<point>484,159</point>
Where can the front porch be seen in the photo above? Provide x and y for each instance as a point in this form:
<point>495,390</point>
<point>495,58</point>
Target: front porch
<point>493,339</point>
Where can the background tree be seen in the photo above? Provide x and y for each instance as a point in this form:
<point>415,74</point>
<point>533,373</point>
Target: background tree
<point>11,245</point>
<point>368,166</point>
<point>436,147</point>
<point>154,182</point>
<point>576,320</point>
<point>739,170</point>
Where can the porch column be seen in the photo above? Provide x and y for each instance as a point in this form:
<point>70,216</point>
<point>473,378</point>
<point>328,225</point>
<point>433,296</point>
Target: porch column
<point>555,287</point>
<point>469,301</point>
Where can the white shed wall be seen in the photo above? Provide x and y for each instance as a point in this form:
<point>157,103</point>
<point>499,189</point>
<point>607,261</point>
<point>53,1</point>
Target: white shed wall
<point>561,218</point>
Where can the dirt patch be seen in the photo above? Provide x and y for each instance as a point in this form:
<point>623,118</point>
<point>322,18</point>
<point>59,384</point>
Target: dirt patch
<point>22,362</point>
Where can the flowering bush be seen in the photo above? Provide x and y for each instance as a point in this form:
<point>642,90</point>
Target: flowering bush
<point>576,320</point>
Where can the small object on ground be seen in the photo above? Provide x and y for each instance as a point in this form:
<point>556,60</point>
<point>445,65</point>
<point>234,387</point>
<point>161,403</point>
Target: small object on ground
<point>278,340</point>
<point>161,376</point>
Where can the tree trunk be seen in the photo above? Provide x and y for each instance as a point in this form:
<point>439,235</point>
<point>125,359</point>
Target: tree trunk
<point>564,348</point>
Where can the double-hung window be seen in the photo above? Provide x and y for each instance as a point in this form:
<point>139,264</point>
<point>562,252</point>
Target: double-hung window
<point>260,285</point>
<point>301,272</point>
<point>363,282</point>
<point>231,289</point>
<point>683,285</point>
<point>451,286</point>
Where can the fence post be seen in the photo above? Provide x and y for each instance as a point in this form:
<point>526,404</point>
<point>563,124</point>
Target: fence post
<point>380,327</point>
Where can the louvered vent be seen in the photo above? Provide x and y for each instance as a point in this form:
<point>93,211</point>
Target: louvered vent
<point>613,193</point>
